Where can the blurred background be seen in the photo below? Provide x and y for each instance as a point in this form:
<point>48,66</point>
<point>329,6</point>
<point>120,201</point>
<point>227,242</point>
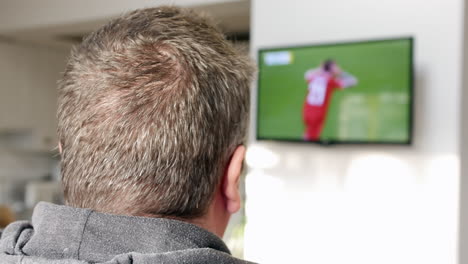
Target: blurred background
<point>303,203</point>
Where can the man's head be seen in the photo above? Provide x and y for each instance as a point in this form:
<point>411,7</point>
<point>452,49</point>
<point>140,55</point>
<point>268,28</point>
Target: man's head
<point>331,67</point>
<point>152,110</point>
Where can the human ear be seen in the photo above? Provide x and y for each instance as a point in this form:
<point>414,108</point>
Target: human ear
<point>60,147</point>
<point>232,178</point>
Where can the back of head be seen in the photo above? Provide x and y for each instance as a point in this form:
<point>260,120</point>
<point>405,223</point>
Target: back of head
<point>327,65</point>
<point>151,106</point>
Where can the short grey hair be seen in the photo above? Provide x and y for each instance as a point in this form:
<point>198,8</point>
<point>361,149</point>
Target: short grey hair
<point>151,107</point>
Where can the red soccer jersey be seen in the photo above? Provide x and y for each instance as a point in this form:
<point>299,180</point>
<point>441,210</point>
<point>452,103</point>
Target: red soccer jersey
<point>320,90</point>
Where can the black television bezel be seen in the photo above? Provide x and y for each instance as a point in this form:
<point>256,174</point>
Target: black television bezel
<point>341,142</point>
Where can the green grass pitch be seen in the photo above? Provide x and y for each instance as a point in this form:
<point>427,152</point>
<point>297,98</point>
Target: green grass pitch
<point>375,110</point>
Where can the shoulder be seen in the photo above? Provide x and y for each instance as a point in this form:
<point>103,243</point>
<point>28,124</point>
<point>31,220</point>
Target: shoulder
<point>310,74</point>
<point>8,259</point>
<point>193,256</point>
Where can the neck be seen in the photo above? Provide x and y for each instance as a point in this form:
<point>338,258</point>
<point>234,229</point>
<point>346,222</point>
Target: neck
<point>216,218</point>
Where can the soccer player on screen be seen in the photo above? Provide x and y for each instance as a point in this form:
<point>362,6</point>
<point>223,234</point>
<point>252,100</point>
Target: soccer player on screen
<point>321,83</point>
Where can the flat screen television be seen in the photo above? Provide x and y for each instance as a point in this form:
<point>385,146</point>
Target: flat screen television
<point>350,92</point>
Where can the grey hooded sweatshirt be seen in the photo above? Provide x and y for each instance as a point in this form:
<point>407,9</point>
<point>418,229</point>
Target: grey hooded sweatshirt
<point>66,235</point>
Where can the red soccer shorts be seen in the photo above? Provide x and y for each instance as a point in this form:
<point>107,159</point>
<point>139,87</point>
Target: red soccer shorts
<point>314,118</point>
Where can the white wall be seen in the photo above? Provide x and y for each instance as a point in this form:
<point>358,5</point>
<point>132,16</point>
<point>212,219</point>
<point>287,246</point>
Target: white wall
<point>24,14</point>
<point>363,204</point>
<point>463,239</point>
<point>28,101</point>
<point>59,23</point>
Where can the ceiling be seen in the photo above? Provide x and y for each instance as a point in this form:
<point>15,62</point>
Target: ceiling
<point>62,25</point>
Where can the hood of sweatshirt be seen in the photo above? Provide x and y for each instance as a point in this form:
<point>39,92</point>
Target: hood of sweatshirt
<point>66,235</point>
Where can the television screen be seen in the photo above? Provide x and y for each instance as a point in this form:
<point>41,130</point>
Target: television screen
<point>359,92</point>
